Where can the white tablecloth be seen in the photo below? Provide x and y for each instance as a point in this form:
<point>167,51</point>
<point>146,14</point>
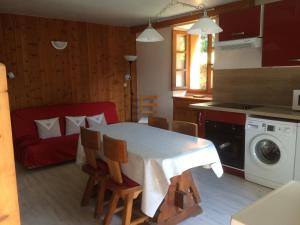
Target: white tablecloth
<point>156,155</point>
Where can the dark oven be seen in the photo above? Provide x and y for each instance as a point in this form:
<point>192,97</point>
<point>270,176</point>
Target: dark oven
<point>229,140</point>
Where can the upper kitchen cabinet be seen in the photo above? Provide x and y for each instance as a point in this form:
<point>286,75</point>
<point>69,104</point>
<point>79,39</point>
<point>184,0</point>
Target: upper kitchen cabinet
<point>281,44</point>
<point>240,24</point>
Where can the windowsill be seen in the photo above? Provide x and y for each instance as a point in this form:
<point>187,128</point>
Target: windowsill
<point>204,97</point>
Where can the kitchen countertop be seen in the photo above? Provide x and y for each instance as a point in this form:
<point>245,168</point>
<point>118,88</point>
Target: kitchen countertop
<point>268,111</point>
<point>280,207</point>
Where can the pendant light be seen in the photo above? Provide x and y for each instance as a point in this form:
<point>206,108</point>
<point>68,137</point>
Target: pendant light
<point>204,26</point>
<point>150,35</point>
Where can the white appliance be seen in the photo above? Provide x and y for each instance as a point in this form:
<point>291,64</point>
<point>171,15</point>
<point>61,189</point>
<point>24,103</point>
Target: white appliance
<point>240,43</point>
<point>270,147</point>
<point>297,159</point>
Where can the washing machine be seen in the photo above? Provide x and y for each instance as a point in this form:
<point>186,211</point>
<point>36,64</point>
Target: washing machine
<point>270,147</point>
<point>297,159</point>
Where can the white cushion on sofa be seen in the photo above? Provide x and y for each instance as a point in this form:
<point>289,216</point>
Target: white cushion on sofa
<point>48,128</point>
<point>73,124</point>
<point>96,121</point>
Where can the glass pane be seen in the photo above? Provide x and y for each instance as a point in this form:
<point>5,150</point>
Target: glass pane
<point>195,66</point>
<point>203,63</point>
<point>203,77</point>
<point>212,78</point>
<point>180,60</point>
<point>267,152</point>
<point>180,42</point>
<point>212,68</point>
<point>213,40</point>
<point>180,79</point>
<point>198,69</point>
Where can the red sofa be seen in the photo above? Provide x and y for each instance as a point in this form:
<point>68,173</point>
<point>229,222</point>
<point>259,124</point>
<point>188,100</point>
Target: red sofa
<point>33,152</point>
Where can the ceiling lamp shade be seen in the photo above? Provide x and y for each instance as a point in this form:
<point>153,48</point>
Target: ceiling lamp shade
<point>205,25</point>
<point>150,35</point>
<point>130,58</point>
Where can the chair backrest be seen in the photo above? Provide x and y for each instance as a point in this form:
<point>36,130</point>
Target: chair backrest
<point>158,122</point>
<point>185,128</point>
<point>91,143</point>
<point>148,105</point>
<point>116,153</point>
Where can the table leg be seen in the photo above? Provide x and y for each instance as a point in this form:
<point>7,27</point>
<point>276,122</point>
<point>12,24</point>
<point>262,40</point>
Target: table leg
<point>182,201</point>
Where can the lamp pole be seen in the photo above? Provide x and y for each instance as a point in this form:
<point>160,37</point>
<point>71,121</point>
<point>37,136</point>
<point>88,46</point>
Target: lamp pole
<point>131,92</point>
<point>130,59</point>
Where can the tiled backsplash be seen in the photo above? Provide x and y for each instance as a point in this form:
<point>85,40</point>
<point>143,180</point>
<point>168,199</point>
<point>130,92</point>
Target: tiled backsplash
<point>264,86</point>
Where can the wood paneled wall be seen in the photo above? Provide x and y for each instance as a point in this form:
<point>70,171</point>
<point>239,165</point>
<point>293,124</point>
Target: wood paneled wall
<point>263,86</point>
<point>91,68</point>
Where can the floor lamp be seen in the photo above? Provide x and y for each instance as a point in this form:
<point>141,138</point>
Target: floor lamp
<point>130,59</point>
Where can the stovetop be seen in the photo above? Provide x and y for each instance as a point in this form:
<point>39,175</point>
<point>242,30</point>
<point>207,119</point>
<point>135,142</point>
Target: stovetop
<point>235,106</point>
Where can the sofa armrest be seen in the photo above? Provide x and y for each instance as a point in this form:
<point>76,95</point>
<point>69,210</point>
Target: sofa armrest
<point>24,141</point>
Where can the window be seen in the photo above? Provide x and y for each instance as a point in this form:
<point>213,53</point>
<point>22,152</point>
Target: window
<point>193,59</point>
<point>180,60</point>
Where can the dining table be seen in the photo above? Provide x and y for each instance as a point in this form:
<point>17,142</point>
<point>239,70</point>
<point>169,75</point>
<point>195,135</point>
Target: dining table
<point>161,161</point>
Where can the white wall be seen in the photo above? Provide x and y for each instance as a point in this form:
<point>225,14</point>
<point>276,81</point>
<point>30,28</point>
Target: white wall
<point>154,72</point>
<point>154,68</point>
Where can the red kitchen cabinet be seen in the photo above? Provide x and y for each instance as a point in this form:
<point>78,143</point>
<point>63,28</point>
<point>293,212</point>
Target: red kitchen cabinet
<point>219,116</point>
<point>201,123</point>
<point>226,117</point>
<point>240,24</point>
<point>281,44</point>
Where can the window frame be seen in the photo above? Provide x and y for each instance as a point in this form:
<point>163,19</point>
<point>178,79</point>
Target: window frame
<point>210,49</point>
<point>187,60</point>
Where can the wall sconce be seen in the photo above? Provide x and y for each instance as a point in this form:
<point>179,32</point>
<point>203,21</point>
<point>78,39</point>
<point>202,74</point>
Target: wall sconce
<point>59,45</point>
<point>11,75</point>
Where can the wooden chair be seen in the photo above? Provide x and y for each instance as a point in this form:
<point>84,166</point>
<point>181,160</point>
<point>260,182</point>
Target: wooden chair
<point>158,122</point>
<point>147,107</point>
<point>185,128</point>
<point>95,168</point>
<point>120,185</point>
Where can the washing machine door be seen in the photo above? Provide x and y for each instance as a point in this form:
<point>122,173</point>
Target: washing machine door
<point>267,152</point>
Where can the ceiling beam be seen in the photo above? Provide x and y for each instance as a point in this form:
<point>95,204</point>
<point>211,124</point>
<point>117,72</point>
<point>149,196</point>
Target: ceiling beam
<point>242,4</point>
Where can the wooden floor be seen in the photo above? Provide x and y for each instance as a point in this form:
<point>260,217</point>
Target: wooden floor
<point>51,196</point>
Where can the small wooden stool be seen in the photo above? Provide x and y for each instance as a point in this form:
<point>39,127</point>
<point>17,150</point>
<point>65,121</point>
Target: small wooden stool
<point>147,107</point>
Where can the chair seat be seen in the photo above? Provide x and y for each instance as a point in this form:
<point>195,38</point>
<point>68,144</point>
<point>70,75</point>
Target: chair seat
<point>102,168</point>
<point>128,182</point>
